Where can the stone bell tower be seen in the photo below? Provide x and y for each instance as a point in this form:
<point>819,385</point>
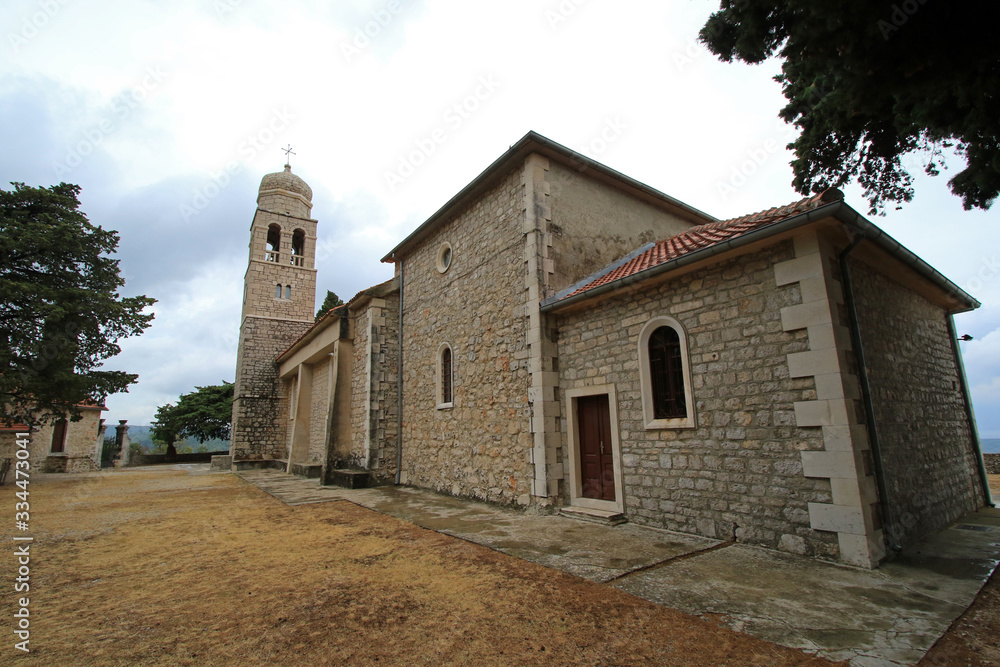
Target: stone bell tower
<point>279,295</point>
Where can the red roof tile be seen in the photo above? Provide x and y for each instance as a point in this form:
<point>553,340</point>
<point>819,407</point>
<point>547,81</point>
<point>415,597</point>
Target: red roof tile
<point>705,236</point>
<point>19,428</point>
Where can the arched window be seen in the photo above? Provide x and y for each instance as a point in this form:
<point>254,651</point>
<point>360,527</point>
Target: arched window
<point>273,248</point>
<point>664,375</point>
<point>445,377</point>
<point>277,291</point>
<point>298,247</point>
<point>288,291</point>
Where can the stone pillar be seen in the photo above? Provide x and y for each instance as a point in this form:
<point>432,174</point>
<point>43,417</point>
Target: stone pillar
<point>102,427</point>
<point>542,351</point>
<point>847,459</point>
<point>298,447</point>
<point>121,442</point>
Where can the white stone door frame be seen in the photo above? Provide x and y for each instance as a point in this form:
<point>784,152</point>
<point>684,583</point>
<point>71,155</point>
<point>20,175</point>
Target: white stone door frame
<point>576,498</point>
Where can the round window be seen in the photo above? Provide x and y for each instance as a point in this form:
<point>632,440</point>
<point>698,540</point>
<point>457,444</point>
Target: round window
<point>444,257</point>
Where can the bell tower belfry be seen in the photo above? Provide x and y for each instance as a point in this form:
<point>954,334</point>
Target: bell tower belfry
<point>279,294</point>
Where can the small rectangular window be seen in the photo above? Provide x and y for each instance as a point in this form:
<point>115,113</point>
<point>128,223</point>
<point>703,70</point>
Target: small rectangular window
<point>59,437</point>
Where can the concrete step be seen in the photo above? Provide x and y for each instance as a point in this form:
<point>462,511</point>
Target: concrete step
<point>594,516</point>
<point>307,470</point>
<point>349,479</point>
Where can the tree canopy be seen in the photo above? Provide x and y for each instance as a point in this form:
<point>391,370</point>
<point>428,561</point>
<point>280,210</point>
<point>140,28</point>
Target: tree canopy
<point>869,82</point>
<point>204,414</point>
<point>330,302</point>
<point>61,314</point>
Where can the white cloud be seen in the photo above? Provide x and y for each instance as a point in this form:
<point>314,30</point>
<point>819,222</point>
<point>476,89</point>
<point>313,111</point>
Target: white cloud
<point>224,69</point>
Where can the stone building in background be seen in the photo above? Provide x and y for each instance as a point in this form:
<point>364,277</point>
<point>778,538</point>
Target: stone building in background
<point>61,445</point>
<point>559,335</point>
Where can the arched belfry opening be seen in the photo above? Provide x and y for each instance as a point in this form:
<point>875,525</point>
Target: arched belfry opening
<point>298,247</point>
<point>272,251</point>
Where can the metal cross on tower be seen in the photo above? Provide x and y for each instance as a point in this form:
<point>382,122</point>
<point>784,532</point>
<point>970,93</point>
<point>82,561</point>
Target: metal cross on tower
<point>288,152</point>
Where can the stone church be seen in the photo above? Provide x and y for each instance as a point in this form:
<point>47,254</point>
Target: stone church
<point>559,335</point>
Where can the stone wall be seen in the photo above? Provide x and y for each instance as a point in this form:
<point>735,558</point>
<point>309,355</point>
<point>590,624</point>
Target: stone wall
<point>480,447</point>
<point>594,224</point>
<point>930,469</point>
<point>992,462</point>
<point>384,404</point>
<point>739,472</point>
<point>79,451</point>
<point>360,390</point>
<point>260,411</point>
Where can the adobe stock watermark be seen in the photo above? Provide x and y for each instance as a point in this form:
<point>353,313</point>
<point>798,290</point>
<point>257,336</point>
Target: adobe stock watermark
<point>900,14</point>
<point>741,173</point>
<point>121,108</point>
<point>32,25</point>
<point>454,117</point>
<point>363,35</point>
<point>248,149</point>
<point>22,542</point>
<point>223,8</point>
<point>562,12</point>
<point>989,269</point>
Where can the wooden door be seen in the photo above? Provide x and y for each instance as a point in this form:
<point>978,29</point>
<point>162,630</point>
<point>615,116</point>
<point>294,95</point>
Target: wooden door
<point>597,465</point>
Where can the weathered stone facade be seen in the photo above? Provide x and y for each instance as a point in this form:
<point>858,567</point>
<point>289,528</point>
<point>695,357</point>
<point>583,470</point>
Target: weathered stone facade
<point>528,304</point>
<point>923,432</point>
<point>81,446</point>
<point>375,374</point>
<point>738,474</point>
<point>260,411</point>
<point>278,300</point>
<point>480,446</point>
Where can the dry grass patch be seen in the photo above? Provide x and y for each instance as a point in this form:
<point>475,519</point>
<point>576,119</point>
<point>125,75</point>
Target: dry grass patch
<point>169,568</point>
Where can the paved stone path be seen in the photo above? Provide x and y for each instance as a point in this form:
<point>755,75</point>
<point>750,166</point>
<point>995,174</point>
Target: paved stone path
<point>889,616</point>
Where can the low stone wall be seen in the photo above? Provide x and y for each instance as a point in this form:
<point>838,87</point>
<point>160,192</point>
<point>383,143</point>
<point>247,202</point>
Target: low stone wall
<point>156,459</point>
<point>992,463</point>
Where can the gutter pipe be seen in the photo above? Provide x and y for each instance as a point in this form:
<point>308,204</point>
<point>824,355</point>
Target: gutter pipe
<point>963,382</point>
<point>889,534</point>
<point>837,209</point>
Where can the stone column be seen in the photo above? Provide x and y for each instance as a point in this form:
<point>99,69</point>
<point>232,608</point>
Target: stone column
<point>121,441</point>
<point>102,427</point>
<point>542,352</point>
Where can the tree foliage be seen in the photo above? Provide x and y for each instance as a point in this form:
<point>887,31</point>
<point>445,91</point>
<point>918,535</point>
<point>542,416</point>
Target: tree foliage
<point>870,82</point>
<point>329,303</point>
<point>204,414</point>
<point>60,311</point>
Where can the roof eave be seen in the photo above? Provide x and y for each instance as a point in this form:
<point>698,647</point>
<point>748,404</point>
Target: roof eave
<point>530,143</point>
<point>839,210</point>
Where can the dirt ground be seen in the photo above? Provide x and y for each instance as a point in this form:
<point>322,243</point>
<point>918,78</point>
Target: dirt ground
<point>974,638</point>
<point>169,568</point>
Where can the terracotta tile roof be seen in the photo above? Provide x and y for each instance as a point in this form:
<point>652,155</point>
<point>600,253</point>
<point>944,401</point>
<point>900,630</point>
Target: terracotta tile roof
<point>705,236</point>
<point>8,427</point>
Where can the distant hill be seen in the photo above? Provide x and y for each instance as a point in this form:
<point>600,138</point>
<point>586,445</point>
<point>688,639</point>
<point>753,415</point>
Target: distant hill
<point>140,436</point>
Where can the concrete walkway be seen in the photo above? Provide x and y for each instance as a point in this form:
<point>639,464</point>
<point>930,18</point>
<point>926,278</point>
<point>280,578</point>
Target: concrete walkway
<point>890,616</point>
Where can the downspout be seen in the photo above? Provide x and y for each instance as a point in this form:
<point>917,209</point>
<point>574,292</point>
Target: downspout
<point>866,395</point>
<point>963,382</point>
<point>399,384</point>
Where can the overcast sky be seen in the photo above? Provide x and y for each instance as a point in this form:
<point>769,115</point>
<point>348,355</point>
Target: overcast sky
<point>169,114</point>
